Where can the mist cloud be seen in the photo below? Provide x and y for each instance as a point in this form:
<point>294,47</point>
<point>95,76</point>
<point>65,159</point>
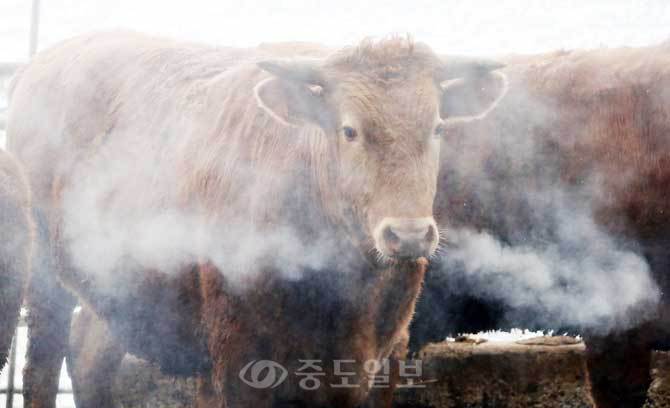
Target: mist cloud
<point>529,238</point>
<point>580,279</point>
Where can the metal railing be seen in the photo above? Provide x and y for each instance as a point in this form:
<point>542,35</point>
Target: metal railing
<point>8,68</point>
<point>34,27</point>
<point>10,391</point>
<point>9,388</point>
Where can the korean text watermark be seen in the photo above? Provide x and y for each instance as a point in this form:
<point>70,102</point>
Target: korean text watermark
<point>268,374</point>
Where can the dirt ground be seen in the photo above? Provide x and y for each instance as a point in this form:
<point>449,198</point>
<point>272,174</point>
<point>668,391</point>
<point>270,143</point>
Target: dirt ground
<point>544,372</point>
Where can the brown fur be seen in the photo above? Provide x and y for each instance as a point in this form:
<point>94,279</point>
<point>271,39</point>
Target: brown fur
<point>604,124</point>
<point>15,249</point>
<point>608,119</point>
<point>189,111</point>
<point>381,311</point>
<point>94,358</point>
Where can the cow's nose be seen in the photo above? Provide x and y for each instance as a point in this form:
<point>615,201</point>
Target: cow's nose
<point>407,237</point>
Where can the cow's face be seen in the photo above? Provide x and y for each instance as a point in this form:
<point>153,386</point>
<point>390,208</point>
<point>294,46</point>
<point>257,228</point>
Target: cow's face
<point>388,146</point>
<point>379,105</point>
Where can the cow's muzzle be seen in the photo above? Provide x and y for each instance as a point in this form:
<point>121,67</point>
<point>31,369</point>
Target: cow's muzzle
<point>406,238</point>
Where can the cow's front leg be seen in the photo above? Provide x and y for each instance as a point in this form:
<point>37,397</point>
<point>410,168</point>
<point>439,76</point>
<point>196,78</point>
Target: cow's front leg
<point>383,397</point>
<point>50,309</point>
<point>93,361</point>
<point>619,368</point>
<point>206,395</point>
<point>253,391</point>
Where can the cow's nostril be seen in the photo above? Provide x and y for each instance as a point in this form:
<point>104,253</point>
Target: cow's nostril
<point>431,234</point>
<point>390,236</point>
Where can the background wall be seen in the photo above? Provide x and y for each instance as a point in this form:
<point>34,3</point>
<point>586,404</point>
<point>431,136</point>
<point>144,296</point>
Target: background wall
<point>456,26</point>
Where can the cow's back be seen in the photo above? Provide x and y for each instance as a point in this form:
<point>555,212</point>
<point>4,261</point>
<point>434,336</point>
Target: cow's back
<point>594,119</point>
<point>73,97</point>
<point>137,141</point>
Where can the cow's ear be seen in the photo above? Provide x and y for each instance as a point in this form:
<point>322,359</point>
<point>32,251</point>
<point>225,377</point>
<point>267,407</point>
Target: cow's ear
<point>471,89</point>
<point>294,94</point>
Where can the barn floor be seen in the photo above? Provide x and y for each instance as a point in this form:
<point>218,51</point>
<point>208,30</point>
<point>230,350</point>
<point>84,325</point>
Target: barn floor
<point>546,372</point>
<point>530,372</point>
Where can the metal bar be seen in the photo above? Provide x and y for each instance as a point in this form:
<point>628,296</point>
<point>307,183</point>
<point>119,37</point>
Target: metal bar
<point>63,392</point>
<point>34,27</point>
<point>10,373</point>
<point>8,68</point>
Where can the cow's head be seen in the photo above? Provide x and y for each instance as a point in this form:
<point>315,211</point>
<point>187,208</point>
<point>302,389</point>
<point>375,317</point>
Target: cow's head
<point>380,105</point>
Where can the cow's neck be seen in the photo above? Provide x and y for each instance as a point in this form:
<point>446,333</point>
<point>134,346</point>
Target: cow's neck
<point>392,307</point>
<point>343,313</point>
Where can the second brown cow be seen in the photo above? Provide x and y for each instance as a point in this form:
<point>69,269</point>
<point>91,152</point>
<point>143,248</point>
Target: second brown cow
<point>571,174</point>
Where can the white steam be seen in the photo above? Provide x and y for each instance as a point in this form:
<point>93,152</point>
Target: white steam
<point>527,237</point>
<point>581,277</point>
<point>123,215</point>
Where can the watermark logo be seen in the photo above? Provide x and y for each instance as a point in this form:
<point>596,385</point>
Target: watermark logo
<point>263,374</point>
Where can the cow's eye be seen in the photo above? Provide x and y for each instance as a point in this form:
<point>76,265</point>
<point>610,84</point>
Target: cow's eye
<point>349,133</point>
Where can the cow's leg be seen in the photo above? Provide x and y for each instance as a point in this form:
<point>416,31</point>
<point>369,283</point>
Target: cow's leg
<point>383,397</point>
<point>231,343</point>
<point>619,368</point>
<point>15,254</point>
<point>49,312</point>
<point>619,364</point>
<point>11,289</point>
<point>238,394</point>
<point>206,395</point>
<point>93,361</point>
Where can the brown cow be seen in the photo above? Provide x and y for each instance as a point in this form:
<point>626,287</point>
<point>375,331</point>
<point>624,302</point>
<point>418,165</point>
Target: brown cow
<point>15,251</point>
<point>215,207</point>
<point>586,133</point>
